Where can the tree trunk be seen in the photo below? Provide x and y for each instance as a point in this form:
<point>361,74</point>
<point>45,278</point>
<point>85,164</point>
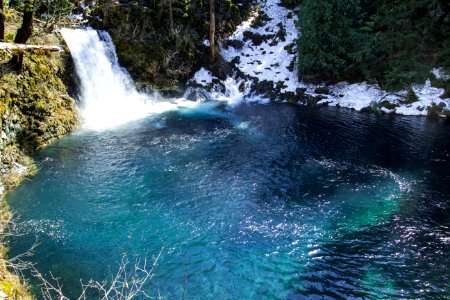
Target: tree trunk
<point>212,30</point>
<point>170,16</point>
<point>22,35</point>
<point>2,22</point>
<point>25,31</point>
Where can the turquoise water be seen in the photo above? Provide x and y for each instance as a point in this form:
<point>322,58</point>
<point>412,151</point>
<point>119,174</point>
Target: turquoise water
<point>257,202</point>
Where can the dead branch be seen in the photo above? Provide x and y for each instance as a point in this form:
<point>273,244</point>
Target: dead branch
<point>128,282</point>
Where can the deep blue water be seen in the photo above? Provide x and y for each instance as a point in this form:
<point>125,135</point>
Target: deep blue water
<point>258,202</point>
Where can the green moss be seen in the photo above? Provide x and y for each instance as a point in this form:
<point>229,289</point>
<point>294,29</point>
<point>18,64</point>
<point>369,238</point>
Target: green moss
<point>44,108</point>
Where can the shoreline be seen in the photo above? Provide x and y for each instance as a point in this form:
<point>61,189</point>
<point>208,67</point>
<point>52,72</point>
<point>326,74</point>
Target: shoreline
<point>263,55</point>
<point>11,284</point>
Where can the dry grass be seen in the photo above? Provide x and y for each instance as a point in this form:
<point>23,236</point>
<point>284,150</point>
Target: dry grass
<point>10,284</point>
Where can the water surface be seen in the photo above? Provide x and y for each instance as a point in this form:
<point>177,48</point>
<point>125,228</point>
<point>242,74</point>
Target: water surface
<point>257,202</point>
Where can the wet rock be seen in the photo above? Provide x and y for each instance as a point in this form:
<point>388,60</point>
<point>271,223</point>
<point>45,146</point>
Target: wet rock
<point>290,97</point>
<point>260,20</point>
<point>436,110</point>
<point>313,100</point>
<point>388,105</point>
<point>280,85</point>
<point>261,87</point>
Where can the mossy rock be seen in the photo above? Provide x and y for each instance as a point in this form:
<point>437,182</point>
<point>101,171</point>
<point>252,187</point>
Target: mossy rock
<point>312,100</point>
<point>372,109</point>
<point>388,105</point>
<point>323,90</point>
<point>291,97</point>
<point>436,110</point>
<point>300,92</point>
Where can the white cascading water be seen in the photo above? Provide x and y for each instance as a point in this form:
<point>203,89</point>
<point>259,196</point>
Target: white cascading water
<point>107,92</point>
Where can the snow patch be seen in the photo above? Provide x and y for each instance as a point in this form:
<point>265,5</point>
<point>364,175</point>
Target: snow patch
<point>273,57</point>
<point>440,74</point>
<point>203,77</point>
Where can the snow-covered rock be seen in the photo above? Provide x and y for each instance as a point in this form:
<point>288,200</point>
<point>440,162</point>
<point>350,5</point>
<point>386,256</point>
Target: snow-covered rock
<point>268,52</point>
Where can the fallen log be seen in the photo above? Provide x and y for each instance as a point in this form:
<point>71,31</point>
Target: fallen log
<point>30,48</point>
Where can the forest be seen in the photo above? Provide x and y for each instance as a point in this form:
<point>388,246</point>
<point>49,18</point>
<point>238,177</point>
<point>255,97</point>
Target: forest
<point>393,43</point>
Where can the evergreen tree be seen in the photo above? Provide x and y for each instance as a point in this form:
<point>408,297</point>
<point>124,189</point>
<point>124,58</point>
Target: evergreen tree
<point>327,36</point>
<point>395,43</point>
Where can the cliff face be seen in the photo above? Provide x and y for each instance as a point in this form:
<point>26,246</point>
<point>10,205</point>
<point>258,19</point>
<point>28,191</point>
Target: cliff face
<point>35,109</point>
<point>35,106</point>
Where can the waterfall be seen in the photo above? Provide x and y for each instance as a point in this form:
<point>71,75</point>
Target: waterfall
<point>108,95</point>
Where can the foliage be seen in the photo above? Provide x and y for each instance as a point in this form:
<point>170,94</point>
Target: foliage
<point>50,11</point>
<point>395,43</point>
<point>290,3</point>
<point>153,53</point>
<point>328,36</point>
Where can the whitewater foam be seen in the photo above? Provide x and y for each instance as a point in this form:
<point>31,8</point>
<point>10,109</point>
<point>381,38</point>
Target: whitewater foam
<point>108,95</point>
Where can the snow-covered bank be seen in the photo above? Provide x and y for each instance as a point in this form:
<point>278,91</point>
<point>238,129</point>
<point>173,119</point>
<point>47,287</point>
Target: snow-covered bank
<point>264,50</point>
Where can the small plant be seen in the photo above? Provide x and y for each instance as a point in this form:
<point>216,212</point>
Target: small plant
<point>256,38</point>
<point>411,97</point>
<point>260,20</point>
<point>436,110</point>
<point>323,90</point>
